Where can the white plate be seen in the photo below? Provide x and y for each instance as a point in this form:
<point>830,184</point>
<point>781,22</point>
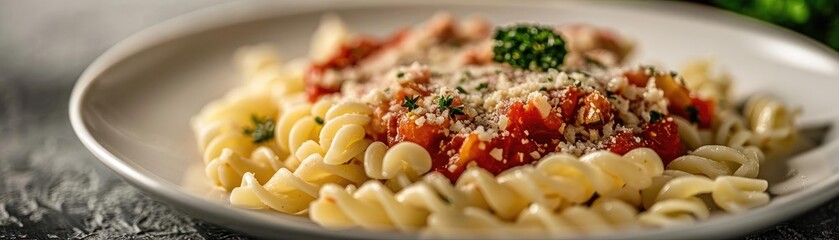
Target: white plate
<point>132,105</point>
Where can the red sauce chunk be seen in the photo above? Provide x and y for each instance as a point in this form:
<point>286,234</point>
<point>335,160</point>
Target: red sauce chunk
<point>349,54</point>
<point>662,137</point>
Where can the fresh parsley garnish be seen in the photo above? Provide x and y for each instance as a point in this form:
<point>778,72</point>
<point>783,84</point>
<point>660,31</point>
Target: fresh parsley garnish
<point>262,131</point>
<point>656,116</point>
<point>460,90</point>
<point>577,83</point>
<point>445,103</point>
<point>543,89</point>
<point>693,113</point>
<point>319,120</point>
<point>527,46</point>
<point>550,79</point>
<point>673,74</point>
<point>411,103</point>
<point>652,70</point>
<point>400,74</point>
<point>481,86</point>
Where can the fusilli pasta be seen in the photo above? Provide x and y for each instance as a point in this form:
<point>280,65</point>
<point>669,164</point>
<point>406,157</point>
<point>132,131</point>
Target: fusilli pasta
<point>561,179</point>
<point>431,131</point>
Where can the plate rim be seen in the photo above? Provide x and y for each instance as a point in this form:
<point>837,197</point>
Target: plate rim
<point>206,19</point>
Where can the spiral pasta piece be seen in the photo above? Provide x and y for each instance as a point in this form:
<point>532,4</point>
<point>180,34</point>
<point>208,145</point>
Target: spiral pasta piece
<point>263,68</point>
<point>772,123</point>
<point>729,130</point>
<point>399,165</point>
<point>286,122</point>
<point>676,202</point>
<point>338,128</point>
<point>343,132</point>
<point>374,206</point>
<point>689,134</point>
<point>603,216</point>
<point>738,194</point>
<point>284,192</point>
<point>292,192</point>
<point>714,161</point>
<point>218,129</point>
<point>258,63</point>
<point>769,118</point>
<point>732,131</point>
<point>227,170</point>
<point>230,115</point>
<point>561,178</point>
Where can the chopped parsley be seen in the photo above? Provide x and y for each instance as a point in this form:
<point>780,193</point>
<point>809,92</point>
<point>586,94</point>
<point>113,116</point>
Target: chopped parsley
<point>656,116</point>
<point>400,74</point>
<point>530,47</point>
<point>673,74</point>
<point>577,83</point>
<point>550,79</point>
<point>481,86</point>
<point>693,113</point>
<point>411,103</point>
<point>652,70</point>
<point>461,90</point>
<point>543,89</point>
<point>262,131</point>
<point>319,120</point>
<point>445,103</point>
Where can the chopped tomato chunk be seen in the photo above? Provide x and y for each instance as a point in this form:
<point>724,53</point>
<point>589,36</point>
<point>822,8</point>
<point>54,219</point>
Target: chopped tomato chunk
<point>595,110</point>
<point>349,54</point>
<point>426,135</point>
<point>662,137</point>
<point>623,142</point>
<point>568,104</point>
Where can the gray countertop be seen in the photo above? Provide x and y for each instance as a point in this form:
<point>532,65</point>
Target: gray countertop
<point>51,187</point>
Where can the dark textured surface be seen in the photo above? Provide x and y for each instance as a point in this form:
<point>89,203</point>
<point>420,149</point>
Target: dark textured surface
<point>51,187</point>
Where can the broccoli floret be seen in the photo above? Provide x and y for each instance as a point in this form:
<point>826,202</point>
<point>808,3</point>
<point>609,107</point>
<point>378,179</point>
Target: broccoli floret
<point>529,47</point>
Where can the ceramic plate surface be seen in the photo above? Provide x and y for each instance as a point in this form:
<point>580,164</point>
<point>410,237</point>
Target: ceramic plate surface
<point>132,106</point>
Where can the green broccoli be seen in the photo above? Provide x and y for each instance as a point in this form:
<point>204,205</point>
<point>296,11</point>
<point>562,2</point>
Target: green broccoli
<point>529,47</point>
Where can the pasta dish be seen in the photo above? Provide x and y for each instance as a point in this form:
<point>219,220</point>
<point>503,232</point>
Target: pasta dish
<point>457,127</point>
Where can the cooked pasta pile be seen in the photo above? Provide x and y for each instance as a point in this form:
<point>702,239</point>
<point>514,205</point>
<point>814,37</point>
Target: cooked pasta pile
<point>433,130</point>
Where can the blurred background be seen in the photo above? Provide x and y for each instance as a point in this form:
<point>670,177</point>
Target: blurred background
<point>818,19</point>
<point>51,187</point>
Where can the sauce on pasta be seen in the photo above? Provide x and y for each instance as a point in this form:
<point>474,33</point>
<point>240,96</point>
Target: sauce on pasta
<point>529,134</point>
<point>457,127</point>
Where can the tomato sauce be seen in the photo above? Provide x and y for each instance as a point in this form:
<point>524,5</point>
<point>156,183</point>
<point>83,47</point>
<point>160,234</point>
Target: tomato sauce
<point>528,134</point>
<point>349,54</point>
